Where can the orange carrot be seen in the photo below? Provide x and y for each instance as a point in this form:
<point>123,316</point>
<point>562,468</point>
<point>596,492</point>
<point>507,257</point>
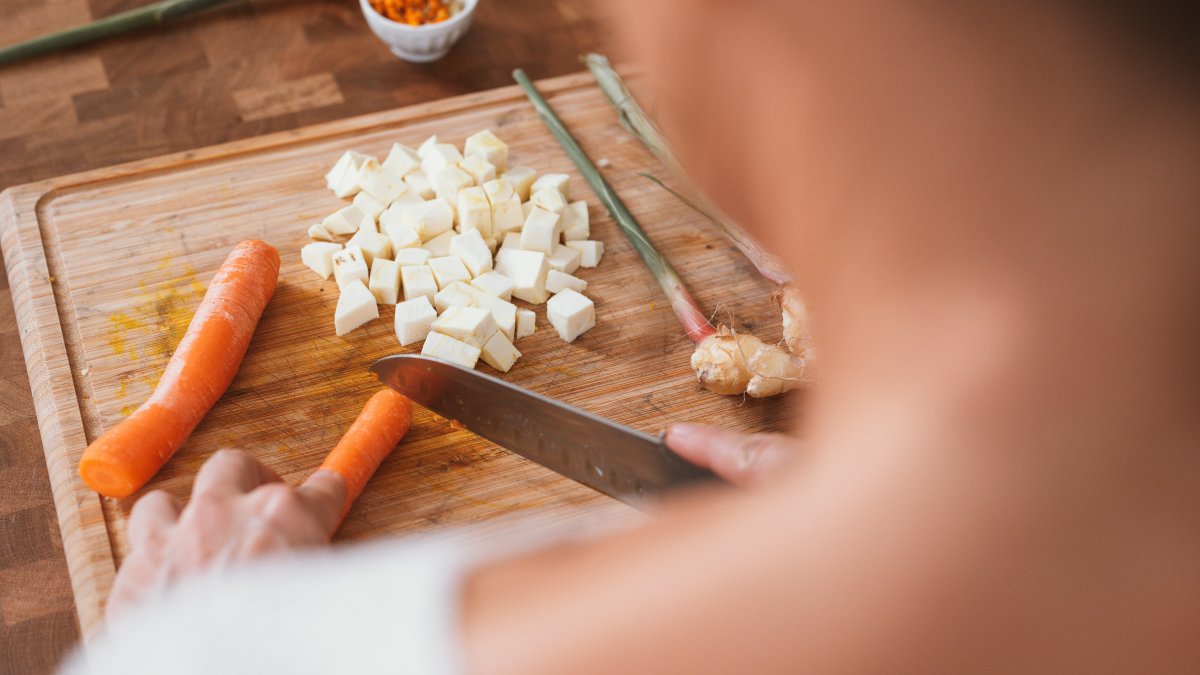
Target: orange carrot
<point>379,427</point>
<point>125,457</point>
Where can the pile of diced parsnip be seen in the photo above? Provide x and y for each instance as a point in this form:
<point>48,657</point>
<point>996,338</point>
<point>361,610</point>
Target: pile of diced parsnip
<point>458,235</point>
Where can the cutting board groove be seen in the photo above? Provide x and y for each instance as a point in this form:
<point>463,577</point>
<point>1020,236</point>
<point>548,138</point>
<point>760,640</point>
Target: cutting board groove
<point>107,266</point>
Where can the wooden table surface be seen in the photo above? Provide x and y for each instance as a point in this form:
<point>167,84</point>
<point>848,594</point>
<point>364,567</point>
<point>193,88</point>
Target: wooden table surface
<point>249,68</point>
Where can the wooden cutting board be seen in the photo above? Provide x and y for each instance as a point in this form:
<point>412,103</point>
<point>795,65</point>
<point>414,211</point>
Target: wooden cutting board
<point>106,268</point>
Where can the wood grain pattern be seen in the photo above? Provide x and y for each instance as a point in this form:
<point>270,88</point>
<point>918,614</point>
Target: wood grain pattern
<point>107,266</point>
<point>155,92</point>
<point>177,86</point>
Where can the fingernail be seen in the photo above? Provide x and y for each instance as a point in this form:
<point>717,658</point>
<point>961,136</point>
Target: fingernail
<point>683,431</point>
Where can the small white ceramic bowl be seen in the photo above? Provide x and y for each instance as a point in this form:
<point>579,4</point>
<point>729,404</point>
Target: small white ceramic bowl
<point>420,44</point>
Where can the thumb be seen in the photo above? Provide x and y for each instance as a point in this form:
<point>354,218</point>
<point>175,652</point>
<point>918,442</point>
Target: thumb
<point>324,493</point>
<point>742,459</point>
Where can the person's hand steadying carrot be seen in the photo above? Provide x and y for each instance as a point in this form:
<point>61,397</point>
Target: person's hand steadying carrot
<point>125,457</point>
<point>240,509</point>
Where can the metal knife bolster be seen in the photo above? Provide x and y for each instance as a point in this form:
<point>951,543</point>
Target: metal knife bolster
<point>614,459</point>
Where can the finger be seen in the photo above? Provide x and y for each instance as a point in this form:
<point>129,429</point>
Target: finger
<point>325,495</point>
<point>151,517</point>
<point>131,586</point>
<point>231,472</point>
<point>741,459</point>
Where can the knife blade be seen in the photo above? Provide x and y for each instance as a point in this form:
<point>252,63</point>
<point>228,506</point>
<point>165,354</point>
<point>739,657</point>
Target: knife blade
<point>619,461</point>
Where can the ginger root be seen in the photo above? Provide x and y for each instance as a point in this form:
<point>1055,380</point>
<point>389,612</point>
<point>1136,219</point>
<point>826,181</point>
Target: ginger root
<point>730,363</point>
<point>797,333</point>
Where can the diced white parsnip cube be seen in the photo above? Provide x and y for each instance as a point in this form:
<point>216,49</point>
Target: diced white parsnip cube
<point>473,251</point>
<point>504,312</point>
<point>349,161</point>
<point>347,220</point>
<point>401,161</point>
<point>413,318</point>
<point>528,270</point>
<point>474,211</point>
<point>453,295</point>
<point>355,306</point>
<point>439,246</point>
<point>439,156</point>
<point>318,232</point>
<point>558,181</point>
<point>564,259</point>
<point>526,323</point>
<point>507,216</point>
<point>479,168</point>
<point>521,178</point>
<point>498,190</point>
<point>349,265</point>
<point>344,182</point>
<point>492,244</point>
<point>506,206</point>
<point>448,269</point>
<point>318,256</point>
<point>372,244</point>
<point>550,200</point>
<point>590,252</point>
<point>571,314</point>
<point>378,183</point>
<point>473,325</point>
<point>407,199</point>
<point>429,219</point>
<point>400,234</point>
<point>486,145</point>
<point>419,184</point>
<point>408,257</point>
<point>449,349</point>
<point>557,281</point>
<point>526,209</point>
<point>449,180</point>
<point>385,281</point>
<point>575,225</point>
<point>470,290</point>
<point>418,281</point>
<point>348,187</point>
<point>541,231</point>
<point>426,145</point>
<point>511,240</point>
<point>499,353</point>
<point>494,283</point>
<point>369,205</point>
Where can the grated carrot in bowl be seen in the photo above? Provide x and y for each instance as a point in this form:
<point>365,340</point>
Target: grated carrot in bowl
<point>416,12</point>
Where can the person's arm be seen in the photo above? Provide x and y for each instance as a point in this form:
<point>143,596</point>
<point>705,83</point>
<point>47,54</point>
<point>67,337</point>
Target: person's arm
<point>189,593</point>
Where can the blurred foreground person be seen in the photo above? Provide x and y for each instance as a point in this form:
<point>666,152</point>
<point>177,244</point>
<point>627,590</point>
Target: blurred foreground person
<point>992,209</point>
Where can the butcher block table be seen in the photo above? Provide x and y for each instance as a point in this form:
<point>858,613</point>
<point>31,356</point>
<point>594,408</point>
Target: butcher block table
<point>105,267</point>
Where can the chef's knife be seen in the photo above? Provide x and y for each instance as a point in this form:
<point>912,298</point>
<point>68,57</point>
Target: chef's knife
<point>620,462</point>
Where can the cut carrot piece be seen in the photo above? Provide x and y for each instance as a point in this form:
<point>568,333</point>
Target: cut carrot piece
<point>125,457</point>
<point>379,427</point>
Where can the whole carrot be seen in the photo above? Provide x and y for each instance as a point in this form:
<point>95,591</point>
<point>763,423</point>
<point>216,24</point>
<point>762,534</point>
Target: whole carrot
<point>125,457</point>
<point>375,432</point>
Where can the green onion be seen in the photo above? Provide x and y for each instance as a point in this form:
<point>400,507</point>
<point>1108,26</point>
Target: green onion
<point>685,306</point>
<point>634,119</point>
<point>141,17</point>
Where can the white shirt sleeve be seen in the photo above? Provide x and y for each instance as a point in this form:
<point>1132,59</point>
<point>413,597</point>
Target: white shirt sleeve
<point>380,608</point>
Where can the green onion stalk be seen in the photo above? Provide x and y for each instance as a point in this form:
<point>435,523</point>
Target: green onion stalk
<point>725,362</point>
<point>685,306</point>
<point>634,119</point>
<point>150,15</point>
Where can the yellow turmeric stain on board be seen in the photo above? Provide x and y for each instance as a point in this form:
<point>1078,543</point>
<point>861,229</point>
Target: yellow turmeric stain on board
<point>155,323</point>
<point>121,324</point>
<point>123,385</point>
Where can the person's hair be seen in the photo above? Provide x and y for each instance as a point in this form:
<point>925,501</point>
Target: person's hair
<point>1165,30</point>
